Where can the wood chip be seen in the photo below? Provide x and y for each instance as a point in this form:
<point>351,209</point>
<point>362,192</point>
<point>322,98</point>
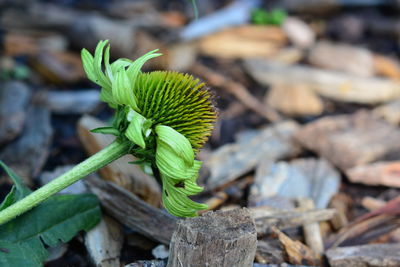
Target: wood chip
<point>297,252</point>
<point>312,231</point>
<point>226,239</point>
<point>233,160</point>
<point>28,154</point>
<point>243,42</point>
<point>14,100</point>
<point>331,84</point>
<point>379,173</point>
<point>389,112</point>
<point>72,102</point>
<point>296,100</point>
<point>365,256</point>
<point>387,66</point>
<point>298,32</point>
<point>129,176</point>
<point>104,243</point>
<point>269,252</point>
<point>350,140</point>
<point>315,178</point>
<point>352,59</point>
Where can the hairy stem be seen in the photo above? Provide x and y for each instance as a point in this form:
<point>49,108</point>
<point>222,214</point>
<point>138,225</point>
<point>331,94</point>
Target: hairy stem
<point>110,153</point>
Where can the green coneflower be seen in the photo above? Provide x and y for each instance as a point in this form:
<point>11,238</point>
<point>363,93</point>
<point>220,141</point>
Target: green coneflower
<point>165,114</point>
<point>162,118</point>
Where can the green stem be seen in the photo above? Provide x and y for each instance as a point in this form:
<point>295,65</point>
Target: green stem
<point>110,153</point>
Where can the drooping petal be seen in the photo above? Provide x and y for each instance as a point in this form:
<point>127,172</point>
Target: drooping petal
<point>134,131</point>
<point>178,143</point>
<point>122,90</point>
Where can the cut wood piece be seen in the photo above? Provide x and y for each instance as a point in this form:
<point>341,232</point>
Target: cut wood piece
<point>389,111</point>
<point>379,173</point>
<point>72,102</point>
<point>14,100</point>
<point>129,176</point>
<point>342,57</point>
<point>104,243</point>
<point>243,42</point>
<point>288,218</point>
<point>233,160</point>
<point>387,66</point>
<point>226,239</point>
<point>298,32</point>
<point>314,178</point>
<point>297,252</point>
<point>364,256</point>
<point>312,232</point>
<point>133,212</point>
<point>27,154</point>
<point>331,84</point>
<point>296,100</point>
<point>351,140</point>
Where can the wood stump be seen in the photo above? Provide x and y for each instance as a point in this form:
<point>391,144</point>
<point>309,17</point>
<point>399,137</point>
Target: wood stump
<point>222,238</point>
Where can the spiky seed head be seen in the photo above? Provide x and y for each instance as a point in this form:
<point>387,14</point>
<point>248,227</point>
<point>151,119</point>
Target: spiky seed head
<point>166,115</point>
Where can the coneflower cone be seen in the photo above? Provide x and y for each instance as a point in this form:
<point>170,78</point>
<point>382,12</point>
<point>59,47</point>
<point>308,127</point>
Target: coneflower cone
<point>166,115</point>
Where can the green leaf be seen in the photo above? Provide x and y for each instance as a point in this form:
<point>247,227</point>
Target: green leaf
<point>27,254</point>
<point>21,189</point>
<point>9,199</point>
<point>106,130</point>
<point>59,219</point>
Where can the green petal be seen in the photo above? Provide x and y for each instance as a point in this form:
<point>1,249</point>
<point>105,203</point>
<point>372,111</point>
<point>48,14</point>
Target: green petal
<point>171,164</point>
<point>87,61</point>
<point>177,141</point>
<point>134,68</point>
<point>134,131</point>
<point>122,90</point>
<point>101,79</point>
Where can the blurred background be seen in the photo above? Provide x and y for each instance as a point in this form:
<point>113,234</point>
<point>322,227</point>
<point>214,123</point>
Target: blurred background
<point>308,94</point>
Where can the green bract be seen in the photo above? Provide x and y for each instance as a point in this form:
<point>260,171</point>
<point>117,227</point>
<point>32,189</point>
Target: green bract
<point>167,116</point>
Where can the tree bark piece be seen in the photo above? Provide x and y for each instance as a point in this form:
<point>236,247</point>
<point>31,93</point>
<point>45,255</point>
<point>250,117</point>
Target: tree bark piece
<point>297,252</point>
<point>233,160</point>
<point>129,176</point>
<point>104,243</point>
<point>351,140</point>
<point>364,256</point>
<point>27,154</point>
<point>335,85</point>
<point>312,232</point>
<point>379,173</point>
<point>226,239</point>
<point>14,99</point>
<point>133,212</point>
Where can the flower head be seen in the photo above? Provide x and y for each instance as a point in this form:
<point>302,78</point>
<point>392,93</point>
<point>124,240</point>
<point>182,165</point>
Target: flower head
<point>167,116</point>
